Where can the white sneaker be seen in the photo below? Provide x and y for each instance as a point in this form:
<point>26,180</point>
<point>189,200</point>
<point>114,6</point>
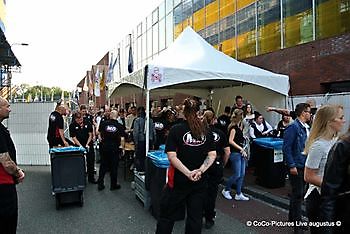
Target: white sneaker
<point>226,194</point>
<point>241,197</point>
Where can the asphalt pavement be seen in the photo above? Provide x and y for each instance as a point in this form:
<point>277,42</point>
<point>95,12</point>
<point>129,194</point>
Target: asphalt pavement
<point>119,211</point>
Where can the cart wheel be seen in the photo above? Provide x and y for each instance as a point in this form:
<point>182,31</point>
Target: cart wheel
<point>57,201</point>
<point>81,197</point>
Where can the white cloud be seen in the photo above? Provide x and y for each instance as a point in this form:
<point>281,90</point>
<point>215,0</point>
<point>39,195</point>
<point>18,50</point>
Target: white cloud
<point>66,37</point>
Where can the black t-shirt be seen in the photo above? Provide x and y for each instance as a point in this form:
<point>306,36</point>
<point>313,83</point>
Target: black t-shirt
<point>53,134</point>
<point>80,132</point>
<point>238,139</point>
<point>89,118</point>
<point>280,129</point>
<point>222,123</point>
<point>190,151</point>
<point>111,131</point>
<point>159,126</point>
<point>6,143</point>
<point>220,140</point>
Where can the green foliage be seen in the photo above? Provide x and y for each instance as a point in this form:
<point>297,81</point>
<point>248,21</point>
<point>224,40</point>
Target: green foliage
<point>30,92</point>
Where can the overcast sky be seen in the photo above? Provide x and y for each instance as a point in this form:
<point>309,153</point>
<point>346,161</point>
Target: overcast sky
<point>66,37</point>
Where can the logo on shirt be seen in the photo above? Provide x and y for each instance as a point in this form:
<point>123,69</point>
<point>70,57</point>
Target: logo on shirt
<point>111,128</point>
<point>189,140</point>
<point>52,118</point>
<point>158,126</point>
<point>222,122</point>
<point>216,137</point>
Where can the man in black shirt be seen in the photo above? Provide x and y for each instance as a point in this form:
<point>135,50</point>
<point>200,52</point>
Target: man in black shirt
<point>224,120</point>
<point>55,132</point>
<point>10,175</point>
<point>110,136</point>
<point>80,131</point>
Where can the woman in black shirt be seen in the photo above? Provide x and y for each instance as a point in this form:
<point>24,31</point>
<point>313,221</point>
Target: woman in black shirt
<point>238,157</point>
<point>191,151</point>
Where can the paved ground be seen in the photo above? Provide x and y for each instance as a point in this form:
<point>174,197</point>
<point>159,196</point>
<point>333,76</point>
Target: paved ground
<point>120,212</point>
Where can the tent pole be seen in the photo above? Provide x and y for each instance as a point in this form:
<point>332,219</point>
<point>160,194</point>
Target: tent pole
<point>147,121</point>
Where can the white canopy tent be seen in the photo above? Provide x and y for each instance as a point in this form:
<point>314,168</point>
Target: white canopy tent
<point>192,66</point>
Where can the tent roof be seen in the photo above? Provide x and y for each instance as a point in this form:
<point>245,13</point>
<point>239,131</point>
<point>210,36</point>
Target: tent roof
<point>191,61</point>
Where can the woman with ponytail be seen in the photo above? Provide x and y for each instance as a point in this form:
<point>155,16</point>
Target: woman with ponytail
<point>238,157</point>
<point>191,151</point>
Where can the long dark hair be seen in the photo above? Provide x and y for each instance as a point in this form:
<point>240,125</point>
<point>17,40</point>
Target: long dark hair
<point>198,128</point>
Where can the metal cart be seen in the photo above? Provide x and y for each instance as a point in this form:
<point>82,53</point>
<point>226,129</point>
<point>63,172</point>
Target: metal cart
<point>68,174</point>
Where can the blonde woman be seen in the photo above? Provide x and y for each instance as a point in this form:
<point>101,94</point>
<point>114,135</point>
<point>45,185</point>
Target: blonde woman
<point>328,122</point>
<point>238,157</point>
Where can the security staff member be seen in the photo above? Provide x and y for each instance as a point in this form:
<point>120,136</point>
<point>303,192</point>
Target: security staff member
<point>191,151</point>
<point>81,132</point>
<point>215,172</point>
<point>10,174</point>
<point>110,136</point>
<point>55,132</point>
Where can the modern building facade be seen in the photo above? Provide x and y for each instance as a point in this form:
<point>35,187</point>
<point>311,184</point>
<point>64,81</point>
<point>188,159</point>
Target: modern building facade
<point>309,40</point>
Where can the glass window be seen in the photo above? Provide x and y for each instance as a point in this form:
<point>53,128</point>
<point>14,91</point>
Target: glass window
<point>227,28</point>
<point>155,39</point>
<point>168,6</point>
<point>244,3</point>
<point>139,50</point>
<point>176,2</point>
<point>187,9</point>
<point>149,22</point>
<point>212,34</point>
<point>161,10</point>
<point>155,16</point>
<point>246,39</point>
<point>297,16</point>
<point>169,29</point>
<point>269,29</point>
<point>144,46</point>
<point>212,13</point>
<point>149,43</point>
<point>144,26</point>
<point>139,29</point>
<point>161,34</point>
<point>332,18</point>
<point>209,1</point>
<point>178,14</point>
<point>198,4</point>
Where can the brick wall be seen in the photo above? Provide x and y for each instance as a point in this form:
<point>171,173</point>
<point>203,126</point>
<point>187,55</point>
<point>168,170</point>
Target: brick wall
<point>312,66</point>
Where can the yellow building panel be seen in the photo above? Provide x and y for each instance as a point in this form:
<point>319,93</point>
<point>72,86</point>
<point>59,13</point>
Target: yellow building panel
<point>227,7</point>
<point>246,45</point>
<point>178,30</point>
<point>199,20</point>
<point>269,38</point>
<point>243,3</point>
<point>329,19</point>
<point>228,47</point>
<point>212,13</point>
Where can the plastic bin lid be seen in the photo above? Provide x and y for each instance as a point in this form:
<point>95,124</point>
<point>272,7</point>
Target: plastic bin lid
<point>67,149</point>
<point>269,142</point>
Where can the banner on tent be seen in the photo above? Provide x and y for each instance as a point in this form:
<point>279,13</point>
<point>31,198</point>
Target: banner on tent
<point>155,76</point>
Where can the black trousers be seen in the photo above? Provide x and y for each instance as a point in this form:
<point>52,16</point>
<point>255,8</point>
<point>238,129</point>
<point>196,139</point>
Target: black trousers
<point>140,155</point>
<point>90,161</point>
<point>8,209</point>
<point>172,207</point>
<point>215,174</point>
<point>109,159</point>
<point>296,196</point>
<point>313,203</point>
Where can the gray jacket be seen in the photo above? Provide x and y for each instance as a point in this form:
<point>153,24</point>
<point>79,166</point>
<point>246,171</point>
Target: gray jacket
<point>139,132</point>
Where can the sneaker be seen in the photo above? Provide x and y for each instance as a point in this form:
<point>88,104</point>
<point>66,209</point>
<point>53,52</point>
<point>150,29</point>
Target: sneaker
<point>226,194</point>
<point>241,197</point>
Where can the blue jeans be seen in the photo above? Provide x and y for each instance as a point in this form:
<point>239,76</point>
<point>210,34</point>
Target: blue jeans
<point>238,167</point>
